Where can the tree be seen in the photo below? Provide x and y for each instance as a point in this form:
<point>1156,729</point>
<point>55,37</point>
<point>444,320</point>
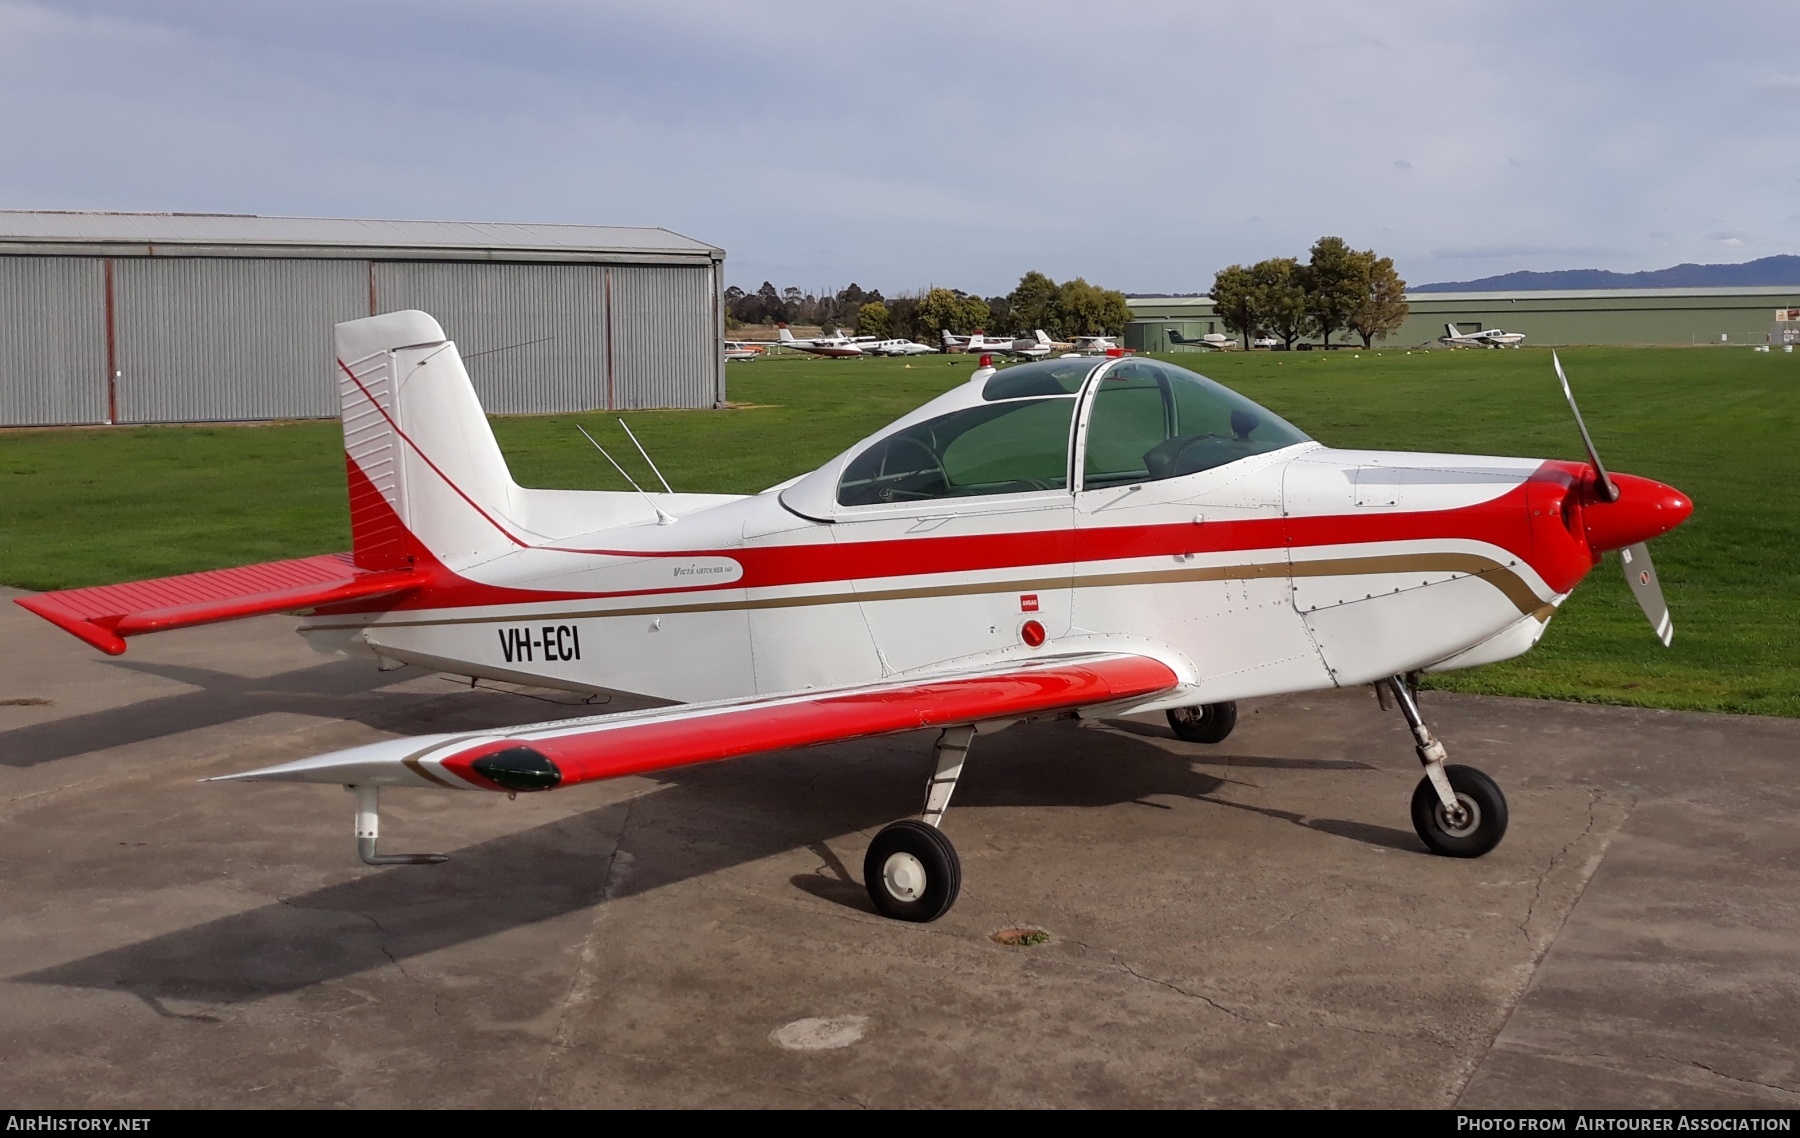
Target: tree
<point>1381,307</point>
<point>1334,284</point>
<point>975,312</point>
<point>1029,302</point>
<point>1081,309</point>
<point>1000,312</point>
<point>1234,299</point>
<point>944,309</point>
<point>872,320</point>
<point>1279,299</point>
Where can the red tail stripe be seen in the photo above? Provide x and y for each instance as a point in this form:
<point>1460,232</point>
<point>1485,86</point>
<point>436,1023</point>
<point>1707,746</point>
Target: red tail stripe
<point>407,439</point>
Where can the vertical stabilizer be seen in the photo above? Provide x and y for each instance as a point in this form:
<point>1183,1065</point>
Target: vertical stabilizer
<point>424,468</point>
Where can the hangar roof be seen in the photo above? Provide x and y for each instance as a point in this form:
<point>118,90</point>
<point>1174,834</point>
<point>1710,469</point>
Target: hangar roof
<point>249,235</point>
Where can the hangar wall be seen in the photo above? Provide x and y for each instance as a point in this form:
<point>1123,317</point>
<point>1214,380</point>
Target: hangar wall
<point>243,331</point>
<point>1599,316</point>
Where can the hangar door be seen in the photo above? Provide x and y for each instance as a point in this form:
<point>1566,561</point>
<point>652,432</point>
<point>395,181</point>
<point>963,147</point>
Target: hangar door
<point>666,348</point>
<point>52,341</point>
<point>533,337</point>
<point>204,339</point>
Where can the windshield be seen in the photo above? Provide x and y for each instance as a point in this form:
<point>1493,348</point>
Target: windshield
<point>1154,420</point>
<point>997,448</point>
<point>1042,377</point>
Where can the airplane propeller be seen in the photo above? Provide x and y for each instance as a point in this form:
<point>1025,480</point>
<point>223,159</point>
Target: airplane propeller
<point>1640,570</point>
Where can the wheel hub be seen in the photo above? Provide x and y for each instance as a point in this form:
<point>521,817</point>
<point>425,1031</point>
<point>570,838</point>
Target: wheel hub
<point>1464,821</point>
<point>904,876</point>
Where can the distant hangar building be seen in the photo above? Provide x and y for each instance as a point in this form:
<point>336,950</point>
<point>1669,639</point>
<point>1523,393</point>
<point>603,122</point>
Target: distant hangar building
<point>170,318</point>
<point>1746,315</point>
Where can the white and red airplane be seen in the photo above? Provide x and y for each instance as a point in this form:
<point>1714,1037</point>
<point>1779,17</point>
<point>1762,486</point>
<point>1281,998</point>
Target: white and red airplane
<point>1074,537</point>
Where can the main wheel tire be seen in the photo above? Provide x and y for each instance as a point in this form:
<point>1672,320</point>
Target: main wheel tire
<point>912,872</point>
<point>1480,832</point>
<point>1208,723</point>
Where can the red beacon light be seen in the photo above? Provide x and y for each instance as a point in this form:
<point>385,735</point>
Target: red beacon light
<point>1115,353</point>
<point>987,361</point>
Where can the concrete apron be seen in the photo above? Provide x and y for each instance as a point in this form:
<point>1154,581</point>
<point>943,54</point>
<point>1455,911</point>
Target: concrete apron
<point>1251,924</point>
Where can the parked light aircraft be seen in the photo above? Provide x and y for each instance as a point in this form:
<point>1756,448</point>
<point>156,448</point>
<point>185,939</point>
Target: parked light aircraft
<point>745,350</point>
<point>835,347</point>
<point>1489,338</point>
<point>1217,341</point>
<point>1092,345</point>
<point>1086,537</point>
<point>898,347</point>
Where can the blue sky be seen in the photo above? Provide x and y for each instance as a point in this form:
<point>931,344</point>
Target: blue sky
<point>1142,145</point>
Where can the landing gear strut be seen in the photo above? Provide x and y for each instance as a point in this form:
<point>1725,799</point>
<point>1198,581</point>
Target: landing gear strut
<point>911,870</point>
<point>1457,811</point>
<point>368,830</point>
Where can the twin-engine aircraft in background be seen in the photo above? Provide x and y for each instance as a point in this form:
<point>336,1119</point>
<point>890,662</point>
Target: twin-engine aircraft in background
<point>1072,537</point>
<point>1488,338</point>
<point>851,347</point>
<point>835,347</point>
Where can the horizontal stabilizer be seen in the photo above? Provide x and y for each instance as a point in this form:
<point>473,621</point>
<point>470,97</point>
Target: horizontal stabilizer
<point>545,756</point>
<point>104,615</point>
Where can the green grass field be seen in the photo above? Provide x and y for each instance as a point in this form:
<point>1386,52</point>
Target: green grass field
<point>91,506</point>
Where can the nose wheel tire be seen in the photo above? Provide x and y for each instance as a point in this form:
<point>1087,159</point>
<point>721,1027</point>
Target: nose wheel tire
<point>912,872</point>
<point>1207,723</point>
<point>1482,820</point>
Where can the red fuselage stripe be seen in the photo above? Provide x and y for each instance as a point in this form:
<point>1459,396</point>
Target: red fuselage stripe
<point>1525,522</point>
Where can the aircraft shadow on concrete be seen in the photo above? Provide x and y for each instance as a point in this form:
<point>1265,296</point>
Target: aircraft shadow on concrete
<point>701,821</point>
<point>338,689</point>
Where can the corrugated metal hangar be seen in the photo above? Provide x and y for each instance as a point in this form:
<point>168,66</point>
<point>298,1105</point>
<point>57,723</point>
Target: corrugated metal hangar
<point>159,318</point>
<point>1597,316</point>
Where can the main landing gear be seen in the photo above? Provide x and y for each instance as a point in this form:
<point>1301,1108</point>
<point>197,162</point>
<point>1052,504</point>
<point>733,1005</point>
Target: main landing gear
<point>1456,810</point>
<point>1207,723</point>
<point>911,870</point>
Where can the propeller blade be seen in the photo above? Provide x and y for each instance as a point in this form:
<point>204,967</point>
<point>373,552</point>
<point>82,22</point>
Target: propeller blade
<point>1607,486</point>
<point>1640,574</point>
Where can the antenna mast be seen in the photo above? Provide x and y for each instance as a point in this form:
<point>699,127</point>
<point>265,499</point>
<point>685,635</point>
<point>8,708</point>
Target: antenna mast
<point>662,519</point>
<point>647,458</point>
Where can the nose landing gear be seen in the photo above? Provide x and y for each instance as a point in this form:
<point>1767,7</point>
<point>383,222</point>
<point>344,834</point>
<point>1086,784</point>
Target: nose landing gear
<point>1457,811</point>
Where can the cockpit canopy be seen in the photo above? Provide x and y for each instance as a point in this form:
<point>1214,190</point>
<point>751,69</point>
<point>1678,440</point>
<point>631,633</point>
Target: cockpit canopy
<point>1014,433</point>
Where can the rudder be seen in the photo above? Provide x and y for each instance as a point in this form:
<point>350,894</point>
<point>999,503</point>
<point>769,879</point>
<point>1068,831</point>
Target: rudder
<point>424,470</point>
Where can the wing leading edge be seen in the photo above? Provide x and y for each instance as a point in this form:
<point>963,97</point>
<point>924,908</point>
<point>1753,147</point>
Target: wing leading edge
<point>546,756</point>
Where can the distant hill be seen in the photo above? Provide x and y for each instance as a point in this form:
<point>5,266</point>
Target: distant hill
<point>1783,269</point>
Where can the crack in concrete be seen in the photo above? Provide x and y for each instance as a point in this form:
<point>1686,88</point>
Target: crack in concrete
<point>381,943</point>
<point>576,992</point>
<point>1207,1000</point>
<point>828,1096</point>
<point>1714,1071</point>
<point>1549,938</point>
<point>1537,891</point>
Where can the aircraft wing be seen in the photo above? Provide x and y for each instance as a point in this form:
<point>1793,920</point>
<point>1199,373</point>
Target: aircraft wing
<point>104,614</point>
<point>545,756</point>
